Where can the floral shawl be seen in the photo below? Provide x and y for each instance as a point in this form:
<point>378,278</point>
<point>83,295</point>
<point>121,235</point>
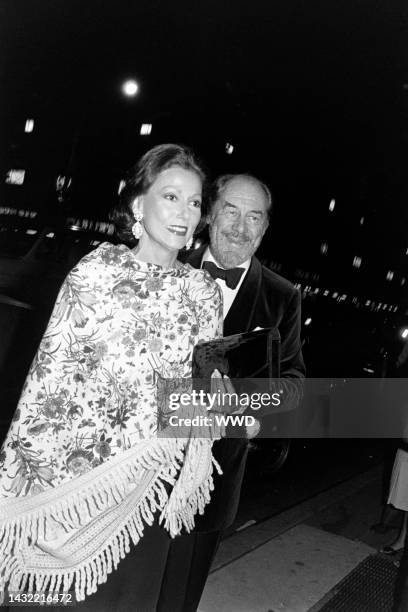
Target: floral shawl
<point>82,470</point>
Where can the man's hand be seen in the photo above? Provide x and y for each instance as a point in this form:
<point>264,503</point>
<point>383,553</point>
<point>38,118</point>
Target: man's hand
<point>223,387</point>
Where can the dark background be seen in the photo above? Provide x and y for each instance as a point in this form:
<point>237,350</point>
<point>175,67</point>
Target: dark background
<point>313,96</point>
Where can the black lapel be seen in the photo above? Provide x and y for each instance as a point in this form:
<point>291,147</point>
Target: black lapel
<point>240,315</point>
<point>194,257</point>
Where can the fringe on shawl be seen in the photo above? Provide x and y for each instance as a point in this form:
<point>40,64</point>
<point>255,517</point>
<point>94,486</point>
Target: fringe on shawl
<point>76,509</point>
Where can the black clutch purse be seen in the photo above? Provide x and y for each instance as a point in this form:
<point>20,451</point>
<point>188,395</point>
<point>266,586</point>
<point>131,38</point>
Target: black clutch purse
<point>251,361</point>
<point>253,354</point>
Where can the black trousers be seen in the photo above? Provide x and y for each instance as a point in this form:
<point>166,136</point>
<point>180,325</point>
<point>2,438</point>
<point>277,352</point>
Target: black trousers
<point>188,564</point>
<point>160,574</point>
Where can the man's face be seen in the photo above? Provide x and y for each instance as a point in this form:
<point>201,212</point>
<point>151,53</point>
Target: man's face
<point>237,222</point>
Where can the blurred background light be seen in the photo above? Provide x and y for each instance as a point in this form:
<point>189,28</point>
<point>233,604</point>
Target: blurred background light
<point>130,88</point>
<point>146,129</point>
<point>29,125</point>
<point>15,177</point>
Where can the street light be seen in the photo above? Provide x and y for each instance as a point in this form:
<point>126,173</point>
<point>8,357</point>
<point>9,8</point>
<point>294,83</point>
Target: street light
<point>130,88</point>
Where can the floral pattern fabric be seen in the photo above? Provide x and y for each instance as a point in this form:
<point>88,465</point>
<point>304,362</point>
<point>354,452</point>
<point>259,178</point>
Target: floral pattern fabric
<point>118,326</point>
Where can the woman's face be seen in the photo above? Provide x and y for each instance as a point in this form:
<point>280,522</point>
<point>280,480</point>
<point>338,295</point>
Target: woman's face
<point>171,209</point>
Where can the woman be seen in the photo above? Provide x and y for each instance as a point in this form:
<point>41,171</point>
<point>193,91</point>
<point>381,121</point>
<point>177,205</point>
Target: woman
<point>84,471</point>
<point>398,498</point>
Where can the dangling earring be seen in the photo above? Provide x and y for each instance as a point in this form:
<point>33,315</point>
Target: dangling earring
<point>189,243</point>
<point>137,227</point>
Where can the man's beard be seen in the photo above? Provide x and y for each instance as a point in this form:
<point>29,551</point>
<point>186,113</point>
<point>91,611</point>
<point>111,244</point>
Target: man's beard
<point>232,254</point>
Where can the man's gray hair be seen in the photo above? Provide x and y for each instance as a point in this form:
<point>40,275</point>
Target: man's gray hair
<point>222,181</point>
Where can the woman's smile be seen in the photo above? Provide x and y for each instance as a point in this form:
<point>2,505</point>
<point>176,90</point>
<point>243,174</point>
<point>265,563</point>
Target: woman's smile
<point>179,230</point>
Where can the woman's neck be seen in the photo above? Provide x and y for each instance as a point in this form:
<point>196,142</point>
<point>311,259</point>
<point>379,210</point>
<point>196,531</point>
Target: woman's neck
<point>164,258</point>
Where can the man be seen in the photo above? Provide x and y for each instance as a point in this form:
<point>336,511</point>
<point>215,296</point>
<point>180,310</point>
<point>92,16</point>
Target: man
<point>253,297</point>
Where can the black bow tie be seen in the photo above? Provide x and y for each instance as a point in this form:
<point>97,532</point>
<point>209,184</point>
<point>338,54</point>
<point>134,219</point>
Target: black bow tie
<point>231,276</point>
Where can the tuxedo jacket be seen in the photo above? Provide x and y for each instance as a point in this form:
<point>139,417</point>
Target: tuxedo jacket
<point>264,299</point>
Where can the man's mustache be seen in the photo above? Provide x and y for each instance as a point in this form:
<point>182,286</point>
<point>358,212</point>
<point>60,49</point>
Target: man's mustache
<point>237,236</point>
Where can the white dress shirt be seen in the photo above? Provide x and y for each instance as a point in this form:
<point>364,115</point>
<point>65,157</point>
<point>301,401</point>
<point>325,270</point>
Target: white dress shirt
<point>227,293</point>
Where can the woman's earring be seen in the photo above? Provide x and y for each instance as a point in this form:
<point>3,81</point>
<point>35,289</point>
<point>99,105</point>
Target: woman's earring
<point>189,243</point>
<point>137,227</point>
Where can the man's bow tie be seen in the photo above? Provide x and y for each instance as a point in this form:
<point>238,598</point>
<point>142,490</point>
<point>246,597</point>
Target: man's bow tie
<point>231,276</point>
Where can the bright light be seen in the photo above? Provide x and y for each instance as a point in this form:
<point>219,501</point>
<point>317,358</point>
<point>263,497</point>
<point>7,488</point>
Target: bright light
<point>308,321</point>
<point>390,275</point>
<point>121,186</point>
<point>404,333</point>
<point>62,181</point>
<point>323,248</point>
<point>130,88</point>
<point>29,125</point>
<point>229,148</point>
<point>362,221</point>
<point>31,232</point>
<point>146,129</point>
<point>332,205</point>
<point>357,262</point>
<point>15,177</point>
<point>6,210</point>
<point>403,281</point>
<point>50,235</point>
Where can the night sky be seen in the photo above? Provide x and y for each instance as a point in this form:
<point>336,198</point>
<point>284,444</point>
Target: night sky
<point>313,96</point>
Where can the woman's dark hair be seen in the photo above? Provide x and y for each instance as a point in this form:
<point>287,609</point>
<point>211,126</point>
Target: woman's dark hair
<point>141,177</point>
